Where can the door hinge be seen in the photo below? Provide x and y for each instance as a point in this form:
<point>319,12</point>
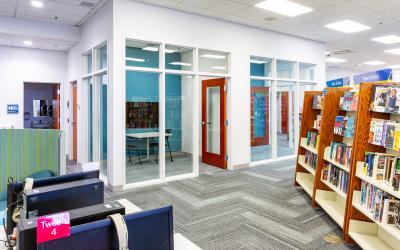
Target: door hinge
<point>226,157</point>
<point>227,122</point>
<point>226,88</point>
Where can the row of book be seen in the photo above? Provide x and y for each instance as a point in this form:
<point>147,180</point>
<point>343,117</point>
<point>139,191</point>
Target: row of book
<point>344,126</point>
<point>386,99</point>
<point>383,167</point>
<point>312,139</point>
<point>385,133</point>
<point>311,159</point>
<point>317,122</point>
<point>349,101</point>
<point>340,153</point>
<point>318,101</point>
<point>336,176</point>
<point>382,206</point>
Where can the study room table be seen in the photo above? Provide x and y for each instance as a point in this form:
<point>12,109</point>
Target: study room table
<point>147,136</point>
<point>180,242</point>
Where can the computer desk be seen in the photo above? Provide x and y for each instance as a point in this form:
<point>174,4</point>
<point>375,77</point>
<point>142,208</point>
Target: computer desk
<point>180,242</point>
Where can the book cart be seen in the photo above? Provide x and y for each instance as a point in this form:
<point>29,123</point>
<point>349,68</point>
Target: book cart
<point>361,225</point>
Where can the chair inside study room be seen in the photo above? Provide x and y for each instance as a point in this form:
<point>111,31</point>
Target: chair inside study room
<point>131,147</point>
<point>155,145</point>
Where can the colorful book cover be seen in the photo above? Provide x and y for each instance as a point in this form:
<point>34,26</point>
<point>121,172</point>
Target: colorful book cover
<point>396,175</point>
<point>396,145</point>
<point>376,131</point>
<point>380,98</point>
<point>350,126</point>
<point>354,105</point>
<point>338,129</point>
<point>347,100</point>
<point>392,102</point>
<point>379,167</point>
<point>389,134</point>
<point>390,211</point>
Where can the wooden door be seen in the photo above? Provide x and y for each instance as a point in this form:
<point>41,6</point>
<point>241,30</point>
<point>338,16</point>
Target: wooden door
<point>259,117</point>
<point>214,122</point>
<point>74,121</point>
<point>285,112</point>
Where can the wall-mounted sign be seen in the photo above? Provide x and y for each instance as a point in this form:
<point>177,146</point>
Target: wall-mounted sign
<point>376,76</point>
<point>338,82</point>
<point>12,109</point>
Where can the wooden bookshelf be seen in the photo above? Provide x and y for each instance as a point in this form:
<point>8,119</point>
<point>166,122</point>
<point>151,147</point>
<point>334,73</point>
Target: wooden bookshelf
<point>360,226</point>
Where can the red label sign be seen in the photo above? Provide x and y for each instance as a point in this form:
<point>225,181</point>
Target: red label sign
<point>51,227</point>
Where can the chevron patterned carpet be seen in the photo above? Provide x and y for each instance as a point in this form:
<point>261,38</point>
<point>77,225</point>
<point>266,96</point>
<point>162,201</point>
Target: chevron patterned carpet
<point>255,208</point>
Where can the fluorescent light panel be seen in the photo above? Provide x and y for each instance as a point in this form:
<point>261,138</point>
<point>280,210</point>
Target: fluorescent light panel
<point>391,39</point>
<point>393,51</point>
<point>219,67</point>
<point>284,7</point>
<point>374,63</point>
<point>133,59</point>
<point>347,26</point>
<point>213,56</point>
<point>257,61</point>
<point>335,60</point>
<point>155,49</point>
<point>394,66</point>
<point>181,64</point>
<point>37,4</point>
<point>28,43</point>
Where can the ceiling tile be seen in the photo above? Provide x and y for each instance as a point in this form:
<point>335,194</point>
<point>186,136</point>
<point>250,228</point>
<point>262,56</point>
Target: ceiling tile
<point>228,7</point>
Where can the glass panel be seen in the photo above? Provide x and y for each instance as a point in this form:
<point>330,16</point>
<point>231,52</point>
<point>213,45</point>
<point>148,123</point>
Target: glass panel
<point>142,126</point>
<point>179,124</point>
<point>101,57</point>
<point>90,119</point>
<point>303,87</point>
<point>213,115</point>
<point>103,80</point>
<point>285,93</point>
<point>306,72</point>
<point>89,66</point>
<point>260,66</point>
<point>142,54</point>
<point>178,58</point>
<point>285,69</point>
<point>260,119</point>
<point>213,62</point>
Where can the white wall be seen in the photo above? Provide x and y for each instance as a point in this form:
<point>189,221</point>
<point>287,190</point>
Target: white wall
<point>332,74</point>
<point>96,30</point>
<point>132,20</point>
<point>19,65</point>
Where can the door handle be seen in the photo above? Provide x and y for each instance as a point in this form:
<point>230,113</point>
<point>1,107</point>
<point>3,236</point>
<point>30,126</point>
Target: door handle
<point>204,123</point>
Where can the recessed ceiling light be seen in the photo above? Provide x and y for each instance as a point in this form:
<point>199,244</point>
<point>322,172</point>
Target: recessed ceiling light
<point>37,4</point>
<point>335,60</point>
<point>284,7</point>
<point>133,59</point>
<point>347,26</point>
<point>150,48</point>
<point>181,64</point>
<point>219,67</point>
<point>28,43</point>
<point>394,66</point>
<point>327,52</point>
<point>374,63</point>
<point>257,61</point>
<point>391,39</point>
<point>393,51</point>
<point>213,56</point>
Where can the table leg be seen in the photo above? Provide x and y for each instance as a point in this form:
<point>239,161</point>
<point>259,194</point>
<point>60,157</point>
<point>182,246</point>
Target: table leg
<point>148,148</point>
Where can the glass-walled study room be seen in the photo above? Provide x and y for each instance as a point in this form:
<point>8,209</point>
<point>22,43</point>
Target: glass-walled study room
<point>276,88</point>
<point>160,83</point>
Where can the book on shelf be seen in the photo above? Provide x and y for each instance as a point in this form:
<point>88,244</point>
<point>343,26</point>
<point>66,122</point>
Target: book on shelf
<point>340,153</point>
<point>336,176</point>
<point>376,131</point>
<point>384,133</point>
<point>318,101</point>
<point>386,99</point>
<point>382,206</point>
<point>344,126</point>
<point>389,129</point>
<point>383,167</point>
<point>317,122</point>
<point>311,159</point>
<point>324,171</point>
<point>349,101</point>
<point>312,139</point>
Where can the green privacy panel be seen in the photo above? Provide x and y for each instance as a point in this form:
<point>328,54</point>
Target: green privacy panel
<point>26,151</point>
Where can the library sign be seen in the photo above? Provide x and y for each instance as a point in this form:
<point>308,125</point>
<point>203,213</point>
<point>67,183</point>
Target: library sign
<point>338,82</point>
<point>384,75</point>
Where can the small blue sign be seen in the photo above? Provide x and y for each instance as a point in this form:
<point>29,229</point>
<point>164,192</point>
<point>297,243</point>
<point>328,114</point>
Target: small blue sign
<point>376,76</point>
<point>12,109</point>
<point>338,82</point>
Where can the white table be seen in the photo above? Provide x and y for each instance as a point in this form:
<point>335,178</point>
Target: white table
<point>147,136</point>
<point>180,242</point>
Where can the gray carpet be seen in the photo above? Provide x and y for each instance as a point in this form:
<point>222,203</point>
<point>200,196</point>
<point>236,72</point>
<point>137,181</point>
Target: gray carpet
<point>256,208</point>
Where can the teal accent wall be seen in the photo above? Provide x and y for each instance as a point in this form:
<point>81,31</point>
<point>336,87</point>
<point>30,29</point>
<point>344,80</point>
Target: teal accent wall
<point>144,87</point>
